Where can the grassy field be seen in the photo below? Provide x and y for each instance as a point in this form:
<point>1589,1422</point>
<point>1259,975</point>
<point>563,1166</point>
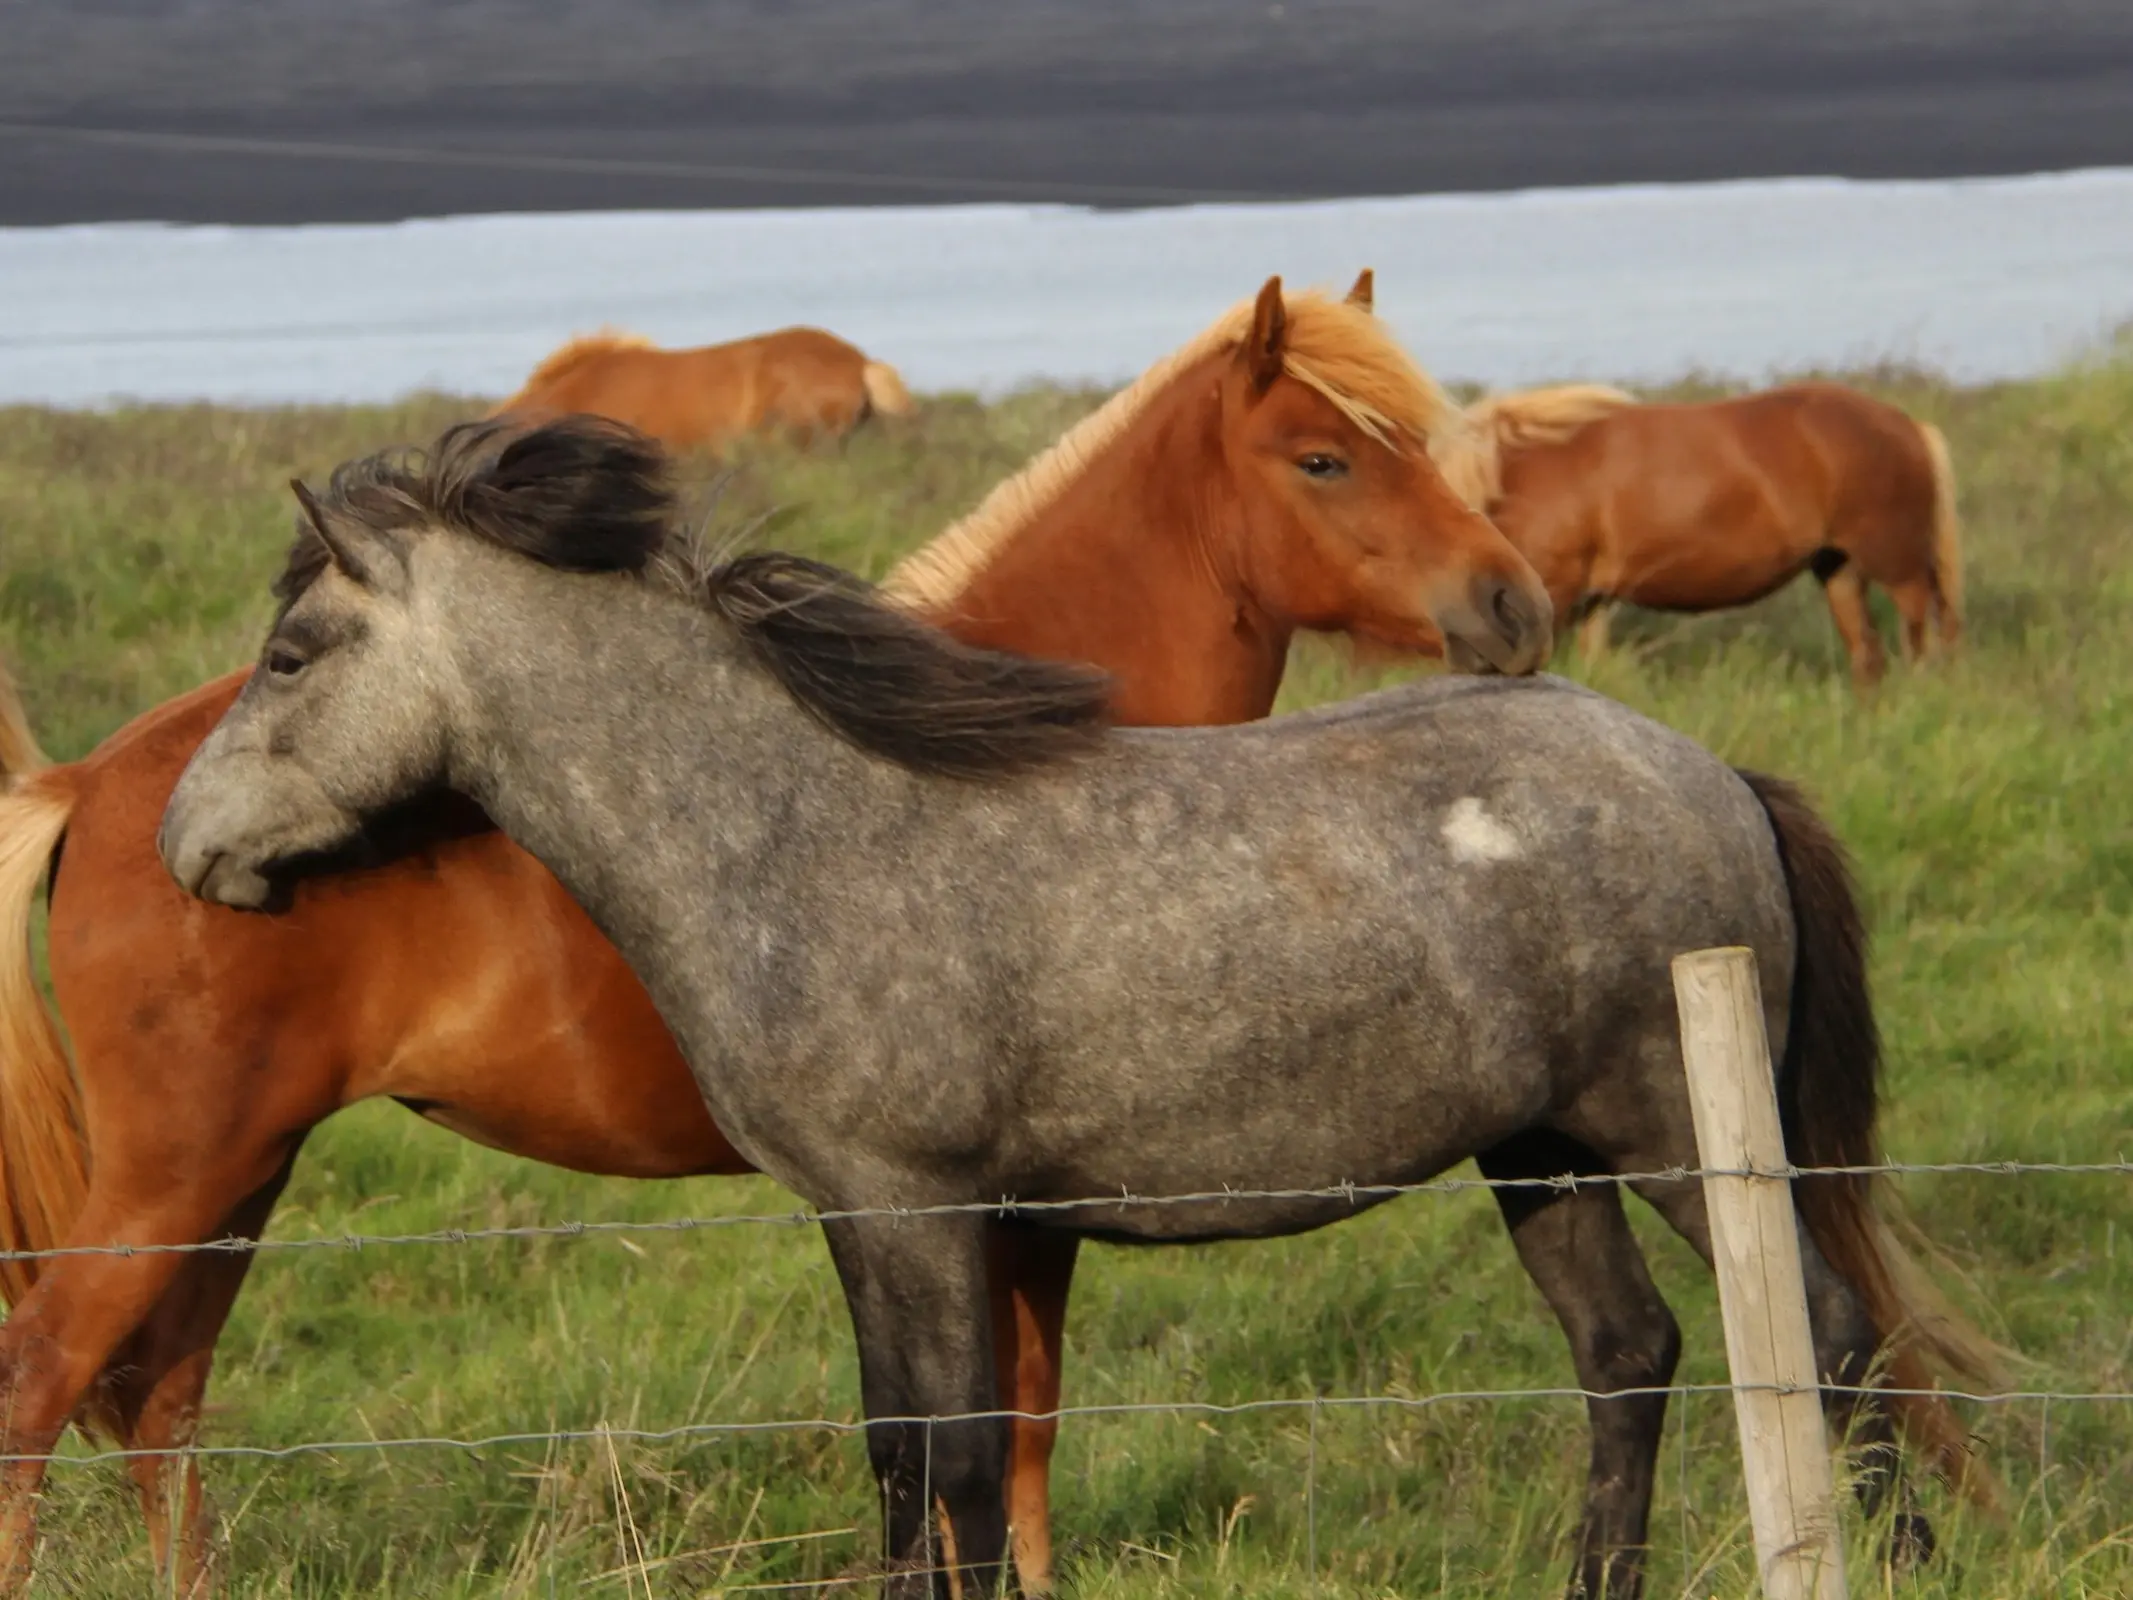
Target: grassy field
<point>1986,800</point>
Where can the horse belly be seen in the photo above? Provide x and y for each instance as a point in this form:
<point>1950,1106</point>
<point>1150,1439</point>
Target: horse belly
<point>1703,570</point>
<point>608,1096</point>
<point>651,1136</point>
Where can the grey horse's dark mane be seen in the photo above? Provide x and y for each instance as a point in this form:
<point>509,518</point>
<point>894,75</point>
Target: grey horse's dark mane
<point>583,494</point>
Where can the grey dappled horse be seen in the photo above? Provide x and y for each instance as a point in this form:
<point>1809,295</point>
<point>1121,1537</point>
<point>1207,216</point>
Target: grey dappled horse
<point>929,935</point>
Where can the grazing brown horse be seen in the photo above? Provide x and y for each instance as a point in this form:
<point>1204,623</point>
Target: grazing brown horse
<point>1700,507</point>
<point>1272,474</point>
<point>797,381</point>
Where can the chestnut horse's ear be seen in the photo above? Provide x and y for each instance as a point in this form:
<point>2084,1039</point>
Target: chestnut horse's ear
<point>1364,295</point>
<point>343,544</point>
<point>1266,346</point>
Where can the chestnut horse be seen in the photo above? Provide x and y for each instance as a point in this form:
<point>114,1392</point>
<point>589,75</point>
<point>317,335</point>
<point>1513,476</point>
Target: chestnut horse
<point>1275,473</point>
<point>799,381</point>
<point>1700,507</point>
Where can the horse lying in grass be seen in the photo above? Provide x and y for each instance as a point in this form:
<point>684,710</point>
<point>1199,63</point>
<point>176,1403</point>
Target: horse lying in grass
<point>799,382</point>
<point>1704,506</point>
<point>1279,470</point>
<point>929,938</point>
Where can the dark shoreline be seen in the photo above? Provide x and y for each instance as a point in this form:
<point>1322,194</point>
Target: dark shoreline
<point>380,109</point>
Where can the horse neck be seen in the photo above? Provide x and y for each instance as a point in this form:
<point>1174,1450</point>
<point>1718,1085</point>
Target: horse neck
<point>1551,510</point>
<point>1538,481</point>
<point>617,735</point>
<point>1135,566</point>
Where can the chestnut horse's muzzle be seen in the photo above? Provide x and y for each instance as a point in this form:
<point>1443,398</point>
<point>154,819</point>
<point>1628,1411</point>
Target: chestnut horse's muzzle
<point>1499,626</point>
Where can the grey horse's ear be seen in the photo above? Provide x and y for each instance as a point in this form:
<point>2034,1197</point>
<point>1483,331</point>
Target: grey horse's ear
<point>1364,296</point>
<point>353,549</point>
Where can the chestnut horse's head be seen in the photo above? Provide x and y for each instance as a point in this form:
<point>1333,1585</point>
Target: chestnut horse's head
<point>1345,520</point>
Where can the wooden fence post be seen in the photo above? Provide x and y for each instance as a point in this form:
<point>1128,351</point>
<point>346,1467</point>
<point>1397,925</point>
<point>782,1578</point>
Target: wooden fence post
<point>1784,1450</point>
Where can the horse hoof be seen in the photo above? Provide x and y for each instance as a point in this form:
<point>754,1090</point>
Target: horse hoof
<point>1911,1541</point>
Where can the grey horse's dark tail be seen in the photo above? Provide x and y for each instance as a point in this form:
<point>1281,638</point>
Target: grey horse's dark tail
<point>1829,1099</point>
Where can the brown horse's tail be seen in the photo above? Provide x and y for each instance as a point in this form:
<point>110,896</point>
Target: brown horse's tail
<point>1829,1100</point>
<point>885,389</point>
<point>44,1159</point>
<point>1947,537</point>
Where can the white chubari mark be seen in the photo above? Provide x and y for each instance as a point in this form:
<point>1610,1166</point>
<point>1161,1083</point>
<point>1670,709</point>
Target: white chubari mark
<point>1474,835</point>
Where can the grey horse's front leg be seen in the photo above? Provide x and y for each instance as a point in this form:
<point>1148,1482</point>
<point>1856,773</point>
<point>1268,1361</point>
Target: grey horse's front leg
<point>916,1287</point>
<point>1577,1246</point>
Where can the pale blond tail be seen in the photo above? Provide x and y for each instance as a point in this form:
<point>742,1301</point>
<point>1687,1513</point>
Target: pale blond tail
<point>44,1160</point>
<point>885,389</point>
<point>19,755</point>
<point>1947,538</point>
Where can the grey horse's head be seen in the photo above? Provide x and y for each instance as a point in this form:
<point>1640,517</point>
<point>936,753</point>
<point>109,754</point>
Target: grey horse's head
<point>406,608</point>
<point>349,709</point>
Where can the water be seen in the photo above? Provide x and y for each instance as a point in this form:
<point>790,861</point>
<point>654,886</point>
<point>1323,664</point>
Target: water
<point>1980,278</point>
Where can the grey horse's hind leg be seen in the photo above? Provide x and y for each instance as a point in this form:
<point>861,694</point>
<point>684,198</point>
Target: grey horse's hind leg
<point>1845,1346</point>
<point>1577,1245</point>
<point>916,1288</point>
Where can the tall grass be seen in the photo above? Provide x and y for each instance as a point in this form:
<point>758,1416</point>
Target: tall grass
<point>1986,798</point>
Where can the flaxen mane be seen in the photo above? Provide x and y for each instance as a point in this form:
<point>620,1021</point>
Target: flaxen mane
<point>1339,349</point>
<point>588,495</point>
<point>1503,424</point>
<point>580,349</point>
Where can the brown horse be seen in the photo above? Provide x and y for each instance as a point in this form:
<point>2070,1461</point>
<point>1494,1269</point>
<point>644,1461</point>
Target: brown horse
<point>802,382</point>
<point>1700,507</point>
<point>1274,473</point>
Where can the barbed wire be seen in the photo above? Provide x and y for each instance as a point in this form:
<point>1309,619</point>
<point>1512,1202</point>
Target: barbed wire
<point>1008,1208</point>
<point>682,1432</point>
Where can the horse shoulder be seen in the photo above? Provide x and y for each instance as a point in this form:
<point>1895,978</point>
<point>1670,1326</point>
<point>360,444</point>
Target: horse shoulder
<point>597,383</point>
<point>1558,497</point>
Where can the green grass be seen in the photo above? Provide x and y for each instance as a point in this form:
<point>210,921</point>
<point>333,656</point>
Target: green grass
<point>1986,800</point>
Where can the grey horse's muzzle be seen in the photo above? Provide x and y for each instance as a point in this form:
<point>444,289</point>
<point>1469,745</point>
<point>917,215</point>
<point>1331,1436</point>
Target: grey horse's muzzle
<point>191,843</point>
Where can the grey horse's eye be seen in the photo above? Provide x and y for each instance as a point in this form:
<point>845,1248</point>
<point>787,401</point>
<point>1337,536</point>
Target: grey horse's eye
<point>1320,465</point>
<point>284,662</point>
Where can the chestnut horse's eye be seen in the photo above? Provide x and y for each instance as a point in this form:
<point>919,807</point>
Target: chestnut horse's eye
<point>284,662</point>
<point>1320,465</point>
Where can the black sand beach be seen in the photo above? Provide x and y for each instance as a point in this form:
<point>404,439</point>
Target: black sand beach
<point>308,111</point>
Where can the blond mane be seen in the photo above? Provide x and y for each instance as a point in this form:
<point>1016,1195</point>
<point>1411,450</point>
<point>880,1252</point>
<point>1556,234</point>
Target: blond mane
<point>1503,424</point>
<point>1340,350</point>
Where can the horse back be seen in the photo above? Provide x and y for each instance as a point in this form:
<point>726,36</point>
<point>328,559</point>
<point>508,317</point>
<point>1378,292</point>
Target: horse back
<point>686,399</point>
<point>806,380</point>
